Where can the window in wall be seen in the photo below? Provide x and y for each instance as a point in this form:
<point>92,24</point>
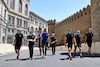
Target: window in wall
<point>12,4</point>
<point>26,9</point>
<point>5,14</point>
<point>17,22</point>
<point>24,23</point>
<point>85,13</point>
<point>36,22</point>
<point>20,6</point>
<point>9,19</point>
<point>20,23</point>
<point>7,1</point>
<point>13,20</point>
<point>8,30</point>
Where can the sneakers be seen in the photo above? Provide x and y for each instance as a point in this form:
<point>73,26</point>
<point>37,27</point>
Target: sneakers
<point>17,58</point>
<point>92,56</point>
<point>70,58</point>
<point>81,56</point>
<point>44,57</point>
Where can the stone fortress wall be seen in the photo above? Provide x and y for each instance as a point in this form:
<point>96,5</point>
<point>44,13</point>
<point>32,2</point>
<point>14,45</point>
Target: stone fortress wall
<point>79,21</point>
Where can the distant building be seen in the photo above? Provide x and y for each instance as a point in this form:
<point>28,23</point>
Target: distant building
<point>37,24</point>
<point>17,15</point>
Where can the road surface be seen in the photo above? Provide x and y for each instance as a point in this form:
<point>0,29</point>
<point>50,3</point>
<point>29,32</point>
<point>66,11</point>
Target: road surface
<point>58,60</point>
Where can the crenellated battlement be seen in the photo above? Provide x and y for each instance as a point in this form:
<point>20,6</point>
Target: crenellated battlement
<point>76,16</point>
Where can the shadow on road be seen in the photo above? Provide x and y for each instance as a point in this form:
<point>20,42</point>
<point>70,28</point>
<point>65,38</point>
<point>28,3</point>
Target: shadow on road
<point>85,54</point>
<point>10,59</point>
<point>16,59</point>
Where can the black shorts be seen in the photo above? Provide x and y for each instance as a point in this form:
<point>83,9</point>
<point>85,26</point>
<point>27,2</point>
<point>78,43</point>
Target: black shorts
<point>78,45</point>
<point>18,45</point>
<point>89,44</point>
<point>69,46</point>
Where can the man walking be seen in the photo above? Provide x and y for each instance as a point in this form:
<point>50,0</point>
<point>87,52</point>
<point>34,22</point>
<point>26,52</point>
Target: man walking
<point>31,39</point>
<point>53,43</point>
<point>44,42</point>
<point>69,41</point>
<point>78,41</point>
<point>18,40</point>
<point>88,39</point>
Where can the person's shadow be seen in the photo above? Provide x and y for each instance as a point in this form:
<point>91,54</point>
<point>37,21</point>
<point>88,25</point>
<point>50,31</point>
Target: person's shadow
<point>85,54</point>
<point>17,59</point>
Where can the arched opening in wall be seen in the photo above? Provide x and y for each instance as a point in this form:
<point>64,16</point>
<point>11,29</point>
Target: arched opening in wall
<point>81,15</point>
<point>78,16</point>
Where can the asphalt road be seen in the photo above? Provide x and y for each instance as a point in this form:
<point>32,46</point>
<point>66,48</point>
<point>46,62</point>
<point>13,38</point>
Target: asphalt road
<point>58,60</point>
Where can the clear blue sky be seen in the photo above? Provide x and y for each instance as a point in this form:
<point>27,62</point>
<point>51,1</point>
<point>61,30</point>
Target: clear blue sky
<point>57,9</point>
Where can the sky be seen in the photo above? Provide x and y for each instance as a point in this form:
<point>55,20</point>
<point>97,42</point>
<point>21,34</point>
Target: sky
<point>57,9</point>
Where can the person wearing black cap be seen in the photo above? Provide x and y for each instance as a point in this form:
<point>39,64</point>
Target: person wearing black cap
<point>31,39</point>
<point>69,41</point>
<point>18,40</point>
<point>88,39</point>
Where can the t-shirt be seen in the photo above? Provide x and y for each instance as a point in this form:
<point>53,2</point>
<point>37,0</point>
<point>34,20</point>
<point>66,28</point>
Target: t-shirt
<point>45,36</point>
<point>69,38</point>
<point>77,37</point>
<point>19,38</point>
<point>31,37</point>
<point>89,37</point>
<point>53,39</point>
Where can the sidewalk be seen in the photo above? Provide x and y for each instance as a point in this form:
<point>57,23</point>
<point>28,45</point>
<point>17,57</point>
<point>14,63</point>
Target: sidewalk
<point>95,47</point>
<point>7,48</point>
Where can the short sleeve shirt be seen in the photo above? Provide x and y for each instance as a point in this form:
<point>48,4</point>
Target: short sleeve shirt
<point>89,37</point>
<point>19,38</point>
<point>31,37</point>
<point>45,36</point>
<point>69,38</point>
<point>53,39</point>
<point>77,37</point>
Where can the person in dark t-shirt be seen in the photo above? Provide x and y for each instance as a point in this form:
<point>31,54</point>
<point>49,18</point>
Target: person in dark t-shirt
<point>31,39</point>
<point>53,43</point>
<point>18,40</point>
<point>38,43</point>
<point>88,39</point>
<point>78,41</point>
<point>69,41</point>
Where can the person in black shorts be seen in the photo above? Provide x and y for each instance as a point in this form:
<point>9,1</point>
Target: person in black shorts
<point>45,41</point>
<point>78,41</point>
<point>88,39</point>
<point>53,43</point>
<point>38,43</point>
<point>69,41</point>
<point>31,39</point>
<point>18,40</point>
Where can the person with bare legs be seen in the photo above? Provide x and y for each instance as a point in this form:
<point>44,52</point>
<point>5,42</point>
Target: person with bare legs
<point>88,39</point>
<point>69,39</point>
<point>18,40</point>
<point>38,43</point>
<point>78,41</point>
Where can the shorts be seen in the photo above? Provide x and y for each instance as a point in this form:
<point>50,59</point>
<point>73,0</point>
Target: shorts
<point>18,45</point>
<point>89,44</point>
<point>78,45</point>
<point>69,46</point>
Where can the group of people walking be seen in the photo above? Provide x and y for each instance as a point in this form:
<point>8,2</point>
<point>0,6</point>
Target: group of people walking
<point>45,41</point>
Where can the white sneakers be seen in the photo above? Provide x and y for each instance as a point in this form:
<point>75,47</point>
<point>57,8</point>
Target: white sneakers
<point>44,57</point>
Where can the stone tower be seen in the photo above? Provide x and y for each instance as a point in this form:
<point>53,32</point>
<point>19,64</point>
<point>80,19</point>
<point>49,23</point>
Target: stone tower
<point>51,27</point>
<point>95,18</point>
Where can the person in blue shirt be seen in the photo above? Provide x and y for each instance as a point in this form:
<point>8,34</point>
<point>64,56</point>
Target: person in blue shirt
<point>45,41</point>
